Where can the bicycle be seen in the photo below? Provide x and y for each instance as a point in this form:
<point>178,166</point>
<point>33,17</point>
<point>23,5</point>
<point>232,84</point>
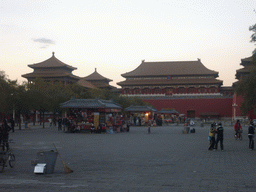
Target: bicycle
<point>6,158</point>
<point>238,135</point>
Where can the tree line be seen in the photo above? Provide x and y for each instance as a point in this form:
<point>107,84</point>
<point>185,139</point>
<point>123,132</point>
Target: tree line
<point>44,96</point>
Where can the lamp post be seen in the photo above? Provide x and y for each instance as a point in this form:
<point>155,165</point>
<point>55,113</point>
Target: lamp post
<point>13,108</point>
<point>234,106</point>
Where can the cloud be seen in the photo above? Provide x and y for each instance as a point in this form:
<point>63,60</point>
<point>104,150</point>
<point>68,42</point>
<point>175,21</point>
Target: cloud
<point>44,40</point>
<point>44,47</point>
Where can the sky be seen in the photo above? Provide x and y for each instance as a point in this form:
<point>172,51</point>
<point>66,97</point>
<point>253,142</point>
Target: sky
<point>115,36</point>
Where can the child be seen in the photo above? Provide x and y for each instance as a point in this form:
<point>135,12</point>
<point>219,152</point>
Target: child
<point>212,136</point>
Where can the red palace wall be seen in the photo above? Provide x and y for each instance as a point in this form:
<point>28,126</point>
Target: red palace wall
<point>223,106</point>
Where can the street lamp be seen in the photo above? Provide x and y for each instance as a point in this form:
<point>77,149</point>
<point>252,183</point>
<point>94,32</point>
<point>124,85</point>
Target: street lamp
<point>234,106</point>
<point>13,109</point>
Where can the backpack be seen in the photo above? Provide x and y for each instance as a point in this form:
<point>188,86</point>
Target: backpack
<point>251,130</point>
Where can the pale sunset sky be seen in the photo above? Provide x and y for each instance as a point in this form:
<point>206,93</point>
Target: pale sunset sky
<point>114,36</point>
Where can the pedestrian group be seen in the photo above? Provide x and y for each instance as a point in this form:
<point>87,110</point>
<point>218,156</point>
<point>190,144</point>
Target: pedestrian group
<point>217,129</point>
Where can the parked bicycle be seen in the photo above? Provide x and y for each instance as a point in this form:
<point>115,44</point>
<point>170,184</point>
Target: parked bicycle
<point>238,134</point>
<point>6,158</point>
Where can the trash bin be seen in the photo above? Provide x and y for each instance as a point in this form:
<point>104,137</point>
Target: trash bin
<point>49,158</point>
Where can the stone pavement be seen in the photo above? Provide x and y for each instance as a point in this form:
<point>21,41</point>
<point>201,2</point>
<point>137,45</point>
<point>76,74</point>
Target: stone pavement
<point>165,160</point>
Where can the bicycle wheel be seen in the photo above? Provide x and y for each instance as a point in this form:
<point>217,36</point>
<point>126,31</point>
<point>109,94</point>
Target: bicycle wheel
<point>11,159</point>
<point>2,164</point>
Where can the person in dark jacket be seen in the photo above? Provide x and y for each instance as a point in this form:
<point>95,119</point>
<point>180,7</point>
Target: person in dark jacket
<point>4,135</point>
<point>12,124</point>
<point>220,131</point>
<point>64,124</point>
<point>251,135</point>
<point>59,124</point>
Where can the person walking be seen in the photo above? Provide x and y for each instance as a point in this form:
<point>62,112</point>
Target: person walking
<point>4,134</point>
<point>149,129</point>
<point>220,131</point>
<point>134,121</point>
<point>238,129</point>
<point>50,122</point>
<point>26,124</point>
<point>251,135</point>
<point>150,124</point>
<point>59,124</point>
<point>12,124</point>
<point>64,124</point>
<point>212,136</point>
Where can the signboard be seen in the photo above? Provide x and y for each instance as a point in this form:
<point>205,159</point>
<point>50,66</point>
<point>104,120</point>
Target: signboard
<point>96,119</point>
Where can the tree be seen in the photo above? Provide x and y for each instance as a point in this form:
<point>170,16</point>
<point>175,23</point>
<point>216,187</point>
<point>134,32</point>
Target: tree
<point>47,96</point>
<point>5,90</point>
<point>253,39</point>
<point>39,96</point>
<point>246,87</point>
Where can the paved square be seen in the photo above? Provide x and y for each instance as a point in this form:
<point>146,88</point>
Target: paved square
<point>165,160</point>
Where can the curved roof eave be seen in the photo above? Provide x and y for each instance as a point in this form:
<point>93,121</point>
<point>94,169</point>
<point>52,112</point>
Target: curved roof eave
<point>51,62</point>
<point>95,76</point>
<point>165,68</point>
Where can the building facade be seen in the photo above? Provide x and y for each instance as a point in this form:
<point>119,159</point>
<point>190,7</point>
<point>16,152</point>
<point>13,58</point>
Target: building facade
<point>187,86</point>
<point>99,81</point>
<point>170,78</point>
<point>54,70</point>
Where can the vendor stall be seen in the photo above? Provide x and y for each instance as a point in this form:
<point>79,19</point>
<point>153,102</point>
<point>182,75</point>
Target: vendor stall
<point>169,116</point>
<point>140,115</point>
<point>90,114</point>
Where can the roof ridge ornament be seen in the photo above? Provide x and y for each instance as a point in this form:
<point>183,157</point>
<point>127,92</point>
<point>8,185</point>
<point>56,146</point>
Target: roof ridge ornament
<point>53,53</point>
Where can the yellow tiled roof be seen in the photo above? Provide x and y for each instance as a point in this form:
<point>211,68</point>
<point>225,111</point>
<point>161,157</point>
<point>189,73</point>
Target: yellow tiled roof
<point>52,62</point>
<point>173,68</point>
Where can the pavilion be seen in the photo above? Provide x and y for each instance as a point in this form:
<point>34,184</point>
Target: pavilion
<point>52,70</point>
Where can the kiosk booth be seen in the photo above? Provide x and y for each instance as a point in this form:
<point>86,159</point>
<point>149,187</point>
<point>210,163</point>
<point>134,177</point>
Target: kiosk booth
<point>140,115</point>
<point>169,116</point>
<point>85,114</point>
